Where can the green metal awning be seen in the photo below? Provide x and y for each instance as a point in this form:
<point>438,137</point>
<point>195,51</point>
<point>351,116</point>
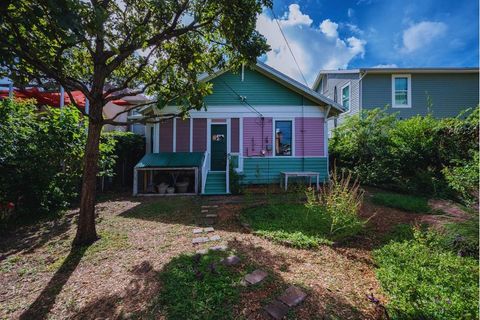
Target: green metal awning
<point>171,160</point>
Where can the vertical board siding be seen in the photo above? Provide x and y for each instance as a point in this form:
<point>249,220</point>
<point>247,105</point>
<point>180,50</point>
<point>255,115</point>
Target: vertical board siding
<point>309,140</point>
<point>253,142</point>
<point>166,136</point>
<point>259,170</point>
<point>199,135</point>
<point>235,135</point>
<point>183,135</point>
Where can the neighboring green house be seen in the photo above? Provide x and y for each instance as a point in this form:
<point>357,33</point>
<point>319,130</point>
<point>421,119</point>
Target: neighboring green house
<point>443,92</point>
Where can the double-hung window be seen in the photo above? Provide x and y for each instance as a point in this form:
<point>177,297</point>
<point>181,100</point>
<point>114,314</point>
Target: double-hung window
<point>401,91</point>
<point>283,138</point>
<point>346,97</point>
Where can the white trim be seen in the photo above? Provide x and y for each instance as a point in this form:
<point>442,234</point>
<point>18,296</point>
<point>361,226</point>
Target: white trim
<point>241,110</point>
<point>209,142</point>
<point>293,137</point>
<point>229,135</point>
<point>409,91</point>
<point>156,137</point>
<point>240,146</point>
<point>190,139</point>
<point>174,147</point>
<point>348,84</point>
<point>325,144</point>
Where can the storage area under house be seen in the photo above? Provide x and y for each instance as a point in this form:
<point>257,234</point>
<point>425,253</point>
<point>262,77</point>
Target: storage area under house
<point>168,173</point>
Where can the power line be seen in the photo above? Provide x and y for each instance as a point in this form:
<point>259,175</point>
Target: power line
<point>242,98</point>
<point>289,48</point>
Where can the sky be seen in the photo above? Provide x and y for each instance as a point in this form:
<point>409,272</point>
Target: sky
<point>327,34</point>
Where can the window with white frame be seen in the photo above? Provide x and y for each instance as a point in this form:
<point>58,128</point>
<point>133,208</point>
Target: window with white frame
<point>346,97</point>
<point>401,91</point>
<point>283,137</point>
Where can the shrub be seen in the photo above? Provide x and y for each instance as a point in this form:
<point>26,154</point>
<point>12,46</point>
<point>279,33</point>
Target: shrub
<point>464,178</point>
<point>401,201</point>
<point>404,155</point>
<point>423,281</point>
<point>340,200</point>
<point>125,149</point>
<point>463,237</point>
<point>41,157</point>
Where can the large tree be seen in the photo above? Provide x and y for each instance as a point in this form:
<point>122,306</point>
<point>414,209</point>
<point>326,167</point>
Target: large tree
<point>109,49</point>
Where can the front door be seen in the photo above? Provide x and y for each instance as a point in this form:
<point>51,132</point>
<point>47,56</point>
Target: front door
<point>218,147</point>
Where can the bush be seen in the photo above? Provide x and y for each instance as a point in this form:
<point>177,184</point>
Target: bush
<point>404,155</point>
<point>340,200</point>
<point>424,281</point>
<point>127,148</point>
<point>464,178</point>
<point>41,158</point>
<point>402,202</point>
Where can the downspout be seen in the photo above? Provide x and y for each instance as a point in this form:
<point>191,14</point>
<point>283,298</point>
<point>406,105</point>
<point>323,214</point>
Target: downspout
<point>325,140</point>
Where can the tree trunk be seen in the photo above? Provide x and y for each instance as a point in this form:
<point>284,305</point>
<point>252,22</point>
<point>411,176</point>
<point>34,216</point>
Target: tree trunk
<point>86,232</point>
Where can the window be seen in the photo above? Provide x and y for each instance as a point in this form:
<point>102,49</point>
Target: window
<point>346,97</point>
<point>283,138</point>
<point>401,91</point>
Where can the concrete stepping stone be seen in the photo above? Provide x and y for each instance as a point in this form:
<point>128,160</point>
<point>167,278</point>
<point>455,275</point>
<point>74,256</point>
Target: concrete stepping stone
<point>292,296</point>
<point>209,206</point>
<point>230,261</point>
<point>204,211</point>
<point>211,215</point>
<point>256,276</point>
<point>276,309</point>
<point>203,230</point>
<point>202,251</point>
<point>219,248</point>
<point>200,240</point>
<point>215,238</point>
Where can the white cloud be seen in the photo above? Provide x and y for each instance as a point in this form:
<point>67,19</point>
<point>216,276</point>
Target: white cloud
<point>386,66</point>
<point>350,12</point>
<point>314,48</point>
<point>420,35</point>
<point>296,17</point>
<point>329,28</point>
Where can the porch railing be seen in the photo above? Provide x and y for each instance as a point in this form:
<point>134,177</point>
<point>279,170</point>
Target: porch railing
<point>227,175</point>
<point>206,161</point>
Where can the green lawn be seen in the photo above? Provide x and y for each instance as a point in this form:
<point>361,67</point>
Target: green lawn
<point>291,224</point>
<point>198,287</point>
<point>402,202</point>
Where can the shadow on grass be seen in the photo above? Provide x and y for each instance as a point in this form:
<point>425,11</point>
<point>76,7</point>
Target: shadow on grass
<point>29,238</point>
<point>40,308</point>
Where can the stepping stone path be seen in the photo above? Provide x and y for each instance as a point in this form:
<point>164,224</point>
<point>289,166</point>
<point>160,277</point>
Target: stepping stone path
<point>290,298</point>
<point>230,261</point>
<point>277,308</point>
<point>209,219</point>
<point>256,276</point>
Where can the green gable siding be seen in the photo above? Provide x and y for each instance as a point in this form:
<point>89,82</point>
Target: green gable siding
<point>259,90</point>
<point>257,170</point>
<point>449,93</point>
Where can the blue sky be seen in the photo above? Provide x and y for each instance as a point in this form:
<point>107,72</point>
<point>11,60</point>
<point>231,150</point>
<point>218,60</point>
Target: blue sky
<point>326,34</point>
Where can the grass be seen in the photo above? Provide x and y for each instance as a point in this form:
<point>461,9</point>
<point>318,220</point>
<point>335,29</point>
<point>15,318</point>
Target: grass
<point>424,280</point>
<point>291,224</point>
<point>401,201</point>
<point>192,290</point>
